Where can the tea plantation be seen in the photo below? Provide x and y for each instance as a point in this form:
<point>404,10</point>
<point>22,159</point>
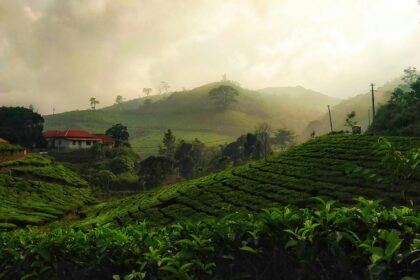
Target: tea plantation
<point>34,190</point>
<point>322,167</point>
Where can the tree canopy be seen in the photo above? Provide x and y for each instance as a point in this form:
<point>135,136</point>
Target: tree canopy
<point>21,126</point>
<point>120,134</point>
<point>223,96</point>
<point>401,115</point>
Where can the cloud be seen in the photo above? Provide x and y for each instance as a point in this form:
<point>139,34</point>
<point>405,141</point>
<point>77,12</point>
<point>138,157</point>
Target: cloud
<point>60,53</point>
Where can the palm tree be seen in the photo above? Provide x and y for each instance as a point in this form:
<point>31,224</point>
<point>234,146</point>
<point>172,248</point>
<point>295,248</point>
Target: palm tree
<point>93,102</point>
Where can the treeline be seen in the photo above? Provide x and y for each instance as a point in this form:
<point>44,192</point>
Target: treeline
<point>120,168</point>
<point>401,115</point>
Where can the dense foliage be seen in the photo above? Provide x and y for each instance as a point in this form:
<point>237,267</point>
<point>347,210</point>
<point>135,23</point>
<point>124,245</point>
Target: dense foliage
<point>21,126</point>
<point>362,242</point>
<point>319,167</point>
<point>401,115</point>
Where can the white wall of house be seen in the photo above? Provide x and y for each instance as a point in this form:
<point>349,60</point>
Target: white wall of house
<point>69,144</point>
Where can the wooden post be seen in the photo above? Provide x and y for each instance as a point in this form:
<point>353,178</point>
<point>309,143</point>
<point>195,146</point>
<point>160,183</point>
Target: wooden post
<point>329,113</point>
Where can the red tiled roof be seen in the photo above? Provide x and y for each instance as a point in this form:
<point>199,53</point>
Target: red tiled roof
<point>69,134</point>
<point>106,139</point>
<point>2,141</point>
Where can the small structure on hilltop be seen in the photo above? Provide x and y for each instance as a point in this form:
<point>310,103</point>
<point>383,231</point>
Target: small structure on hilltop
<point>70,139</point>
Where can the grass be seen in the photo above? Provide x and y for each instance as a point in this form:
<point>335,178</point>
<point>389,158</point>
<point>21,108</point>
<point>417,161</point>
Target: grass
<point>148,144</point>
<point>316,168</point>
<point>34,191</point>
<point>191,114</point>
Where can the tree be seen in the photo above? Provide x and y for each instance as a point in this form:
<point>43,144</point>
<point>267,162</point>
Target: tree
<point>410,75</point>
<point>263,132</point>
<point>104,178</point>
<point>223,96</point>
<point>119,100</point>
<point>120,134</point>
<point>147,91</point>
<point>164,87</point>
<point>122,164</point>
<point>350,121</point>
<point>284,137</point>
<point>154,170</point>
<point>184,159</point>
<point>401,115</point>
<point>22,126</point>
<point>93,102</point>
<point>251,144</point>
<point>168,148</point>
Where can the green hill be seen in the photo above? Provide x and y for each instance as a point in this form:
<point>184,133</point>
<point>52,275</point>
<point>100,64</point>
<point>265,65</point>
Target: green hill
<point>316,168</point>
<point>34,191</point>
<point>191,114</point>
<point>361,104</point>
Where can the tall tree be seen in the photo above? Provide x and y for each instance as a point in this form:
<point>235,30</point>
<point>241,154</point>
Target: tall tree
<point>168,147</point>
<point>164,87</point>
<point>223,96</point>
<point>120,134</point>
<point>263,132</point>
<point>119,100</point>
<point>93,102</point>
<point>22,126</point>
<point>147,91</point>
<point>410,75</point>
<point>284,138</point>
<point>153,171</point>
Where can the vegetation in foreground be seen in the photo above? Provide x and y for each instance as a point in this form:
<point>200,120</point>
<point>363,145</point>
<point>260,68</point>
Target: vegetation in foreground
<point>338,167</point>
<point>363,242</point>
<point>34,190</point>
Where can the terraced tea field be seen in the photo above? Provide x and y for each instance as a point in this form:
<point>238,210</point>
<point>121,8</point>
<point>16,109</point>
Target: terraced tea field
<point>316,168</point>
<point>34,190</point>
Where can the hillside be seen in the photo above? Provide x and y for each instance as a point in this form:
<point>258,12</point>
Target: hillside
<point>34,191</point>
<point>307,99</point>
<point>316,168</point>
<point>360,104</point>
<point>190,114</point>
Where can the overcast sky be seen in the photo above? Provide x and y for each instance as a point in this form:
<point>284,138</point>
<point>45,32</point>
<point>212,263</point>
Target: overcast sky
<point>60,53</point>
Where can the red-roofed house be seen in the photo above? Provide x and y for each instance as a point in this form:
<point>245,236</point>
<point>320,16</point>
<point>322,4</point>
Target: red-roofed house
<point>70,139</point>
<point>106,139</point>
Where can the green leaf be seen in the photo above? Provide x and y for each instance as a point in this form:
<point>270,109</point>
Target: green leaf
<point>249,249</point>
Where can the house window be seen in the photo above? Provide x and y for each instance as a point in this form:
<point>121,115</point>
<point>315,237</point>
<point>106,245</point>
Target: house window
<point>88,143</point>
<point>74,142</point>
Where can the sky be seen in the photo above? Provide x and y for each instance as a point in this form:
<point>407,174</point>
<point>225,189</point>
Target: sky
<point>58,54</point>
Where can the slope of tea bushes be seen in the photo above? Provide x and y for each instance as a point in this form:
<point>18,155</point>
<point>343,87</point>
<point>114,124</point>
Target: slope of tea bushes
<point>362,242</point>
<point>319,167</point>
<point>34,190</point>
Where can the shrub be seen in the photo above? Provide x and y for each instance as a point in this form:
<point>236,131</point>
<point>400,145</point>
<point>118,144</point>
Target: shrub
<point>122,164</point>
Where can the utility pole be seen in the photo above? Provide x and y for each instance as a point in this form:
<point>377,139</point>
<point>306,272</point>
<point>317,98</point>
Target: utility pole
<point>373,106</point>
<point>369,116</point>
<point>329,113</point>
<point>53,111</point>
<point>373,100</point>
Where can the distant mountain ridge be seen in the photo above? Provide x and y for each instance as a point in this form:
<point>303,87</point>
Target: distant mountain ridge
<point>306,97</point>
<point>191,114</point>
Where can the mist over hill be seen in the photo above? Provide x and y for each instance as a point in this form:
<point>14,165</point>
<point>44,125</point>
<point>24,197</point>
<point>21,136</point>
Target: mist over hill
<point>191,114</point>
<point>361,104</point>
